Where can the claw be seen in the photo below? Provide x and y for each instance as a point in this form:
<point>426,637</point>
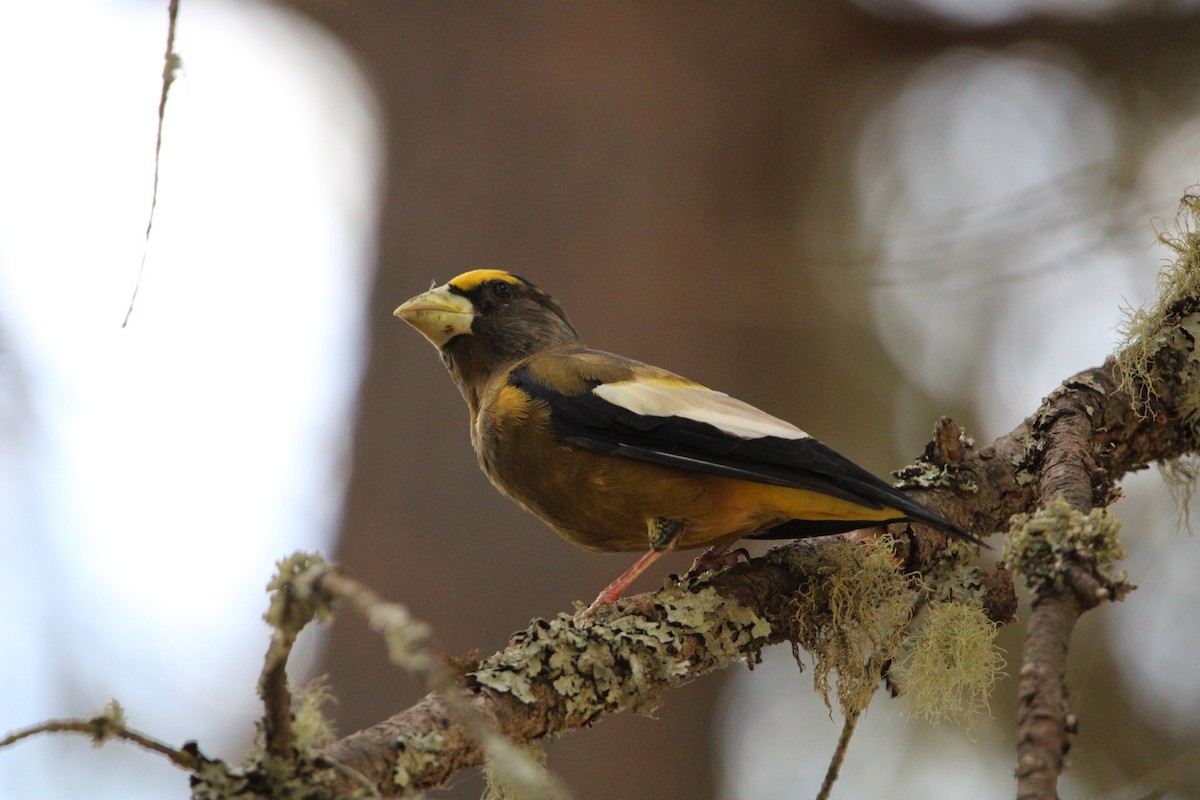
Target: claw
<point>715,559</point>
<point>614,590</point>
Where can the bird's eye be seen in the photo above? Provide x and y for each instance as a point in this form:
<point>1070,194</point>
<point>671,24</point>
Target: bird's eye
<point>501,290</point>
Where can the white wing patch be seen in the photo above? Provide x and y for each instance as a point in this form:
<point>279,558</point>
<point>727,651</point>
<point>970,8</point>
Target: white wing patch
<point>663,399</point>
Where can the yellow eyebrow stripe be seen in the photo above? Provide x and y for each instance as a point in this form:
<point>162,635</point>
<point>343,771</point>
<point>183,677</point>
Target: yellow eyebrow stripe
<point>470,280</point>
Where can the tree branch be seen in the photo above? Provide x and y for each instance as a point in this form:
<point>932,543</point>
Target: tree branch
<point>1069,474</point>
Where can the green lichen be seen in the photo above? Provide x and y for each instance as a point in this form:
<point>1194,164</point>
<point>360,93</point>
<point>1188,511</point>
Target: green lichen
<point>108,723</point>
<point>954,576</point>
<point>293,601</point>
<point>310,726</point>
<point>601,665</point>
<point>925,474</point>
<point>296,778</point>
<point>850,614</point>
<point>938,466</point>
<point>1043,546</point>
<point>1030,455</point>
<point>950,664</point>
<point>1159,343</point>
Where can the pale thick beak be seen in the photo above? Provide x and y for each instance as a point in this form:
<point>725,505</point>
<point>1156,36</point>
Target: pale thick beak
<point>439,314</point>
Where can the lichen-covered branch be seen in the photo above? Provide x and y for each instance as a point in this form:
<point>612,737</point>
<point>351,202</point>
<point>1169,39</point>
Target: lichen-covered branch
<point>1069,559</point>
<point>565,673</point>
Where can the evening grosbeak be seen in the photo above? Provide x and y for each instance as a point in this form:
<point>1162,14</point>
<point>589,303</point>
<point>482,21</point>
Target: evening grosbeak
<point>616,455</point>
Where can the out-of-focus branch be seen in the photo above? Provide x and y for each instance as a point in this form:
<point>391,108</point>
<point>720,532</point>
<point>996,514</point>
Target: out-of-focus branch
<point>110,724</point>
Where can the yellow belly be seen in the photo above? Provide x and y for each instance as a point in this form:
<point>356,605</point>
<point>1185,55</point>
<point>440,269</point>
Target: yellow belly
<point>604,503</point>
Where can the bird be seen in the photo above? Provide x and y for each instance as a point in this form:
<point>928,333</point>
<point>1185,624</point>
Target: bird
<point>620,456</point>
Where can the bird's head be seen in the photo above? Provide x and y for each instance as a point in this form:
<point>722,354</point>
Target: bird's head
<point>485,320</point>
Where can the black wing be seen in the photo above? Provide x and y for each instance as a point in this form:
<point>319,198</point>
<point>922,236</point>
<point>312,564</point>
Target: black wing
<point>686,441</point>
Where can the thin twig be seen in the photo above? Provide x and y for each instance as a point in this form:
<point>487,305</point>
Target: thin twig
<point>100,728</point>
<point>171,62</point>
<point>839,754</point>
<point>294,604</point>
<point>276,697</point>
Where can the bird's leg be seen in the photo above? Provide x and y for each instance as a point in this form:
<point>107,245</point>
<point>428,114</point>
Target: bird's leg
<point>715,558</point>
<point>664,534</point>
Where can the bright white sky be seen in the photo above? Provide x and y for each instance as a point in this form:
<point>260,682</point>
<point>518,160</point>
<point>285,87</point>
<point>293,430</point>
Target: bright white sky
<point>150,476</point>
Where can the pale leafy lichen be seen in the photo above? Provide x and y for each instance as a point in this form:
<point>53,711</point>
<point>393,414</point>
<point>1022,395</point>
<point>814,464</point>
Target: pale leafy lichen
<point>954,576</point>
<point>1042,546</point>
<point>107,723</point>
<point>605,664</point>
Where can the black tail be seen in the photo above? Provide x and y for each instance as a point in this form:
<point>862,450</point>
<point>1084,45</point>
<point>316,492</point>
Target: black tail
<point>858,483</point>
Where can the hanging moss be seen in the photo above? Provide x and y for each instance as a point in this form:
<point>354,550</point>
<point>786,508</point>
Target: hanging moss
<point>950,664</point>
<point>1159,351</point>
<point>521,778</point>
<point>310,726</point>
<point>850,615</point>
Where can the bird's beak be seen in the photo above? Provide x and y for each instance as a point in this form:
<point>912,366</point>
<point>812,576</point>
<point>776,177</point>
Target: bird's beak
<point>439,314</point>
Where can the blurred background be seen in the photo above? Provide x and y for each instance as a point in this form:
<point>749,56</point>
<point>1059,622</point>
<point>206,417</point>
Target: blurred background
<point>856,215</point>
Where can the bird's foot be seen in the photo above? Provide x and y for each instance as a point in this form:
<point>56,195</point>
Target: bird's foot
<point>717,558</point>
<point>609,596</point>
<point>612,593</point>
<point>640,603</point>
<point>664,533</point>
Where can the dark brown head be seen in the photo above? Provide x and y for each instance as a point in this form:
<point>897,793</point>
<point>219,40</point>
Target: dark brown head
<point>485,320</point>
